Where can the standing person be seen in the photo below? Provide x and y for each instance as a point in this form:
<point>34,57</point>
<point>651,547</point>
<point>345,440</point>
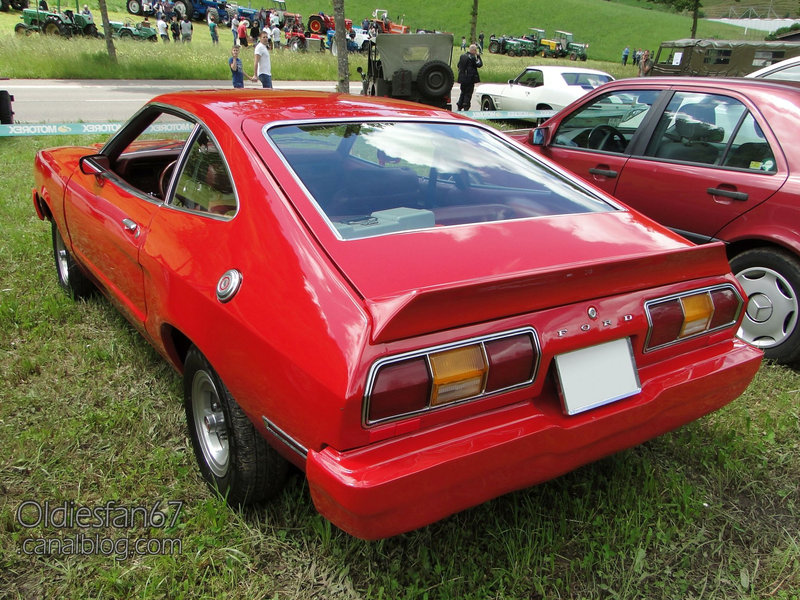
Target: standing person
<point>175,28</point>
<point>645,64</point>
<point>276,37</point>
<point>212,29</point>
<point>468,66</point>
<point>262,65</point>
<point>161,25</point>
<point>235,29</point>
<point>625,53</point>
<point>463,43</point>
<point>242,32</point>
<point>237,70</point>
<point>186,30</point>
<point>480,42</point>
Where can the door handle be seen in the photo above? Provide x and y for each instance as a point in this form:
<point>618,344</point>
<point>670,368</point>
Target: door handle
<point>131,227</point>
<point>604,172</point>
<point>741,196</point>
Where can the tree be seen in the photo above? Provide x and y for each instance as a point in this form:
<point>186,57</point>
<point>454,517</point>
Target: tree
<point>473,24</point>
<point>692,6</point>
<point>112,51</point>
<point>340,38</point>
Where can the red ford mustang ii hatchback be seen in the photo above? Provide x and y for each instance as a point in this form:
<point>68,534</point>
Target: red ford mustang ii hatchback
<point>412,308</point>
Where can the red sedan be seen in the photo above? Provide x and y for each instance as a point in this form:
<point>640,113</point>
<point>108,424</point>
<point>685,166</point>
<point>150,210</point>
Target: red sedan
<point>713,159</point>
<point>405,304</point>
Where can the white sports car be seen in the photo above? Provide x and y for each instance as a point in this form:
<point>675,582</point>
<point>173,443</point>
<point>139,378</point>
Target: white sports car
<point>546,87</point>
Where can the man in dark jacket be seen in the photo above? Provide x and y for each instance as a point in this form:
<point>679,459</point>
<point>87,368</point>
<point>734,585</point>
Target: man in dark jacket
<point>468,66</point>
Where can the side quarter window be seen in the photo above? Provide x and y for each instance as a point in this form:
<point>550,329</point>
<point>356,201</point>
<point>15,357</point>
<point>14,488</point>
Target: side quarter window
<point>204,183</point>
<point>608,123</point>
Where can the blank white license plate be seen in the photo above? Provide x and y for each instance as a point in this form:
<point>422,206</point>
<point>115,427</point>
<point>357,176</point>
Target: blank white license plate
<point>594,376</point>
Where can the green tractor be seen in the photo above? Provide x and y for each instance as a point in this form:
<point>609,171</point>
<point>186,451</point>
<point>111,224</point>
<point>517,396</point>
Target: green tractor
<point>127,31</point>
<point>67,23</point>
<point>575,50</point>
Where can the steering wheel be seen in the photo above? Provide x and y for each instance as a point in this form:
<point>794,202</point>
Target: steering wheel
<point>601,136</point>
<point>163,178</point>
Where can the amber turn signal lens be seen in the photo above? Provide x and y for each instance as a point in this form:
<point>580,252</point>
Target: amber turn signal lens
<point>457,374</point>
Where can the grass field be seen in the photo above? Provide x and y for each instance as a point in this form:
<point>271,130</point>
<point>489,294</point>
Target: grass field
<point>607,26</point>
<point>89,414</point>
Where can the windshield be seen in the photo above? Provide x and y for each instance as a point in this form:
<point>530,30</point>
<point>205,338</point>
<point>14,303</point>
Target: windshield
<point>376,178</point>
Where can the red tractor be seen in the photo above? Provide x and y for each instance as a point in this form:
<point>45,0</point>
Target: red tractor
<point>321,23</point>
<point>380,18</point>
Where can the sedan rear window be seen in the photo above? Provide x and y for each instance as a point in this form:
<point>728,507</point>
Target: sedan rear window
<point>376,178</point>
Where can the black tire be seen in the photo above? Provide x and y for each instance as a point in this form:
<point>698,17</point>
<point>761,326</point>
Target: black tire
<point>20,29</point>
<point>6,112</point>
<point>135,7</point>
<point>90,30</point>
<point>511,52</point>
<point>5,5</point>
<point>573,56</point>
<point>53,26</point>
<point>126,33</point>
<point>771,279</point>
<point>19,4</point>
<point>494,47</point>
<point>487,103</point>
<point>234,459</point>
<point>70,276</point>
<point>435,79</point>
<point>183,8</point>
<point>298,44</point>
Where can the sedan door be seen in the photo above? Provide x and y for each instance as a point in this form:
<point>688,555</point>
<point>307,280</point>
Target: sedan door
<point>708,162</point>
<point>523,93</point>
<point>595,140</point>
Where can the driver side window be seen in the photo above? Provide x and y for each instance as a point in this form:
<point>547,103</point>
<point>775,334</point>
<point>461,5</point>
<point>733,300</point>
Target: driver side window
<point>608,123</point>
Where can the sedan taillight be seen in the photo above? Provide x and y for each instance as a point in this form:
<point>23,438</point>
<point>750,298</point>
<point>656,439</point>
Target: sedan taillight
<point>683,316</point>
<point>404,385</point>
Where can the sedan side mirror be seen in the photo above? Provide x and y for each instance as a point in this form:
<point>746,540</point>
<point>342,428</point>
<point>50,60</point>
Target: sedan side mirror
<point>540,136</point>
<point>95,164</point>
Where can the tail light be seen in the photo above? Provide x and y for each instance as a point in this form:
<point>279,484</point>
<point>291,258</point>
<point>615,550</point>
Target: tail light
<point>416,382</point>
<point>683,316</point>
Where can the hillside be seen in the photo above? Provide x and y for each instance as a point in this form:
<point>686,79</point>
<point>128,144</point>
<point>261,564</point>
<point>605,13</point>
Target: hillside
<point>607,26</point>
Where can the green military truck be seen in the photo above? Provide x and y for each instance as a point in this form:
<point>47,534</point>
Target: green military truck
<point>719,58</point>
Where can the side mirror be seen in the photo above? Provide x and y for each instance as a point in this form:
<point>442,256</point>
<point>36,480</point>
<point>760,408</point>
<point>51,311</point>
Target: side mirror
<point>94,164</point>
<point>360,71</point>
<point>540,136</point>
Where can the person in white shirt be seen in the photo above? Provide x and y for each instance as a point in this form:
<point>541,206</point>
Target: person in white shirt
<point>276,37</point>
<point>262,66</point>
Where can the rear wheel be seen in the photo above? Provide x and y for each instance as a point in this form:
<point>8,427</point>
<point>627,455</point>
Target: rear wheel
<point>494,47</point>
<point>234,459</point>
<point>183,8</point>
<point>70,276</point>
<point>771,279</point>
<point>316,24</point>
<point>126,33</point>
<point>53,27</point>
<point>135,7</point>
<point>487,103</point>
<point>90,30</point>
<point>19,4</point>
<point>21,30</point>
<point>573,56</point>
